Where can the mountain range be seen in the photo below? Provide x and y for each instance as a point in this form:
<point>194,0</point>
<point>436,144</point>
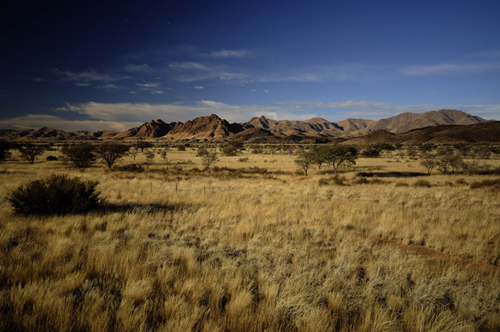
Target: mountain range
<point>436,126</point>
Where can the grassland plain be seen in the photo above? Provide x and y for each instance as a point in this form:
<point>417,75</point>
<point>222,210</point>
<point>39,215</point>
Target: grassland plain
<point>253,246</point>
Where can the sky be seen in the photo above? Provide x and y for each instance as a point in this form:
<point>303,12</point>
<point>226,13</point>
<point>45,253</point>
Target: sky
<point>115,64</point>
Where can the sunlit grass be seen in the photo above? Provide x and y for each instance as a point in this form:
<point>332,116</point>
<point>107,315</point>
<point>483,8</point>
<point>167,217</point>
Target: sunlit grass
<point>246,251</point>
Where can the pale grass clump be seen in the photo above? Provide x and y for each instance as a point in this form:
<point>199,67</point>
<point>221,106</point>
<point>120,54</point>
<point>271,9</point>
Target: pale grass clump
<point>254,254</point>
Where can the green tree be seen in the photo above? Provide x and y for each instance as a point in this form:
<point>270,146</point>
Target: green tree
<point>81,155</point>
<point>110,152</point>
<point>339,155</point>
<point>30,151</point>
<point>305,160</point>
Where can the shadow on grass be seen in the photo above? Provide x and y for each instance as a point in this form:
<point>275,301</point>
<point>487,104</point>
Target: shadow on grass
<point>391,174</point>
<point>147,208</point>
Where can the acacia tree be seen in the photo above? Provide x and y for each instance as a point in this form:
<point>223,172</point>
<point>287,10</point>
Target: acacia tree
<point>429,164</point>
<point>30,151</point>
<point>208,158</point>
<point>305,160</point>
<point>110,152</point>
<point>339,155</point>
<point>81,155</point>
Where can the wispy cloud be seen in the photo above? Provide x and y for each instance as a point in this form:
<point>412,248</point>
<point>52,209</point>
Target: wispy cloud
<point>86,78</point>
<point>196,71</point>
<point>141,69</point>
<point>449,69</point>
<point>151,87</point>
<point>228,54</point>
<point>199,87</point>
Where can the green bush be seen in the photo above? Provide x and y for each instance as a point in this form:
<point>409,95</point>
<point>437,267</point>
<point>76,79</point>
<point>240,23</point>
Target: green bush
<point>57,195</point>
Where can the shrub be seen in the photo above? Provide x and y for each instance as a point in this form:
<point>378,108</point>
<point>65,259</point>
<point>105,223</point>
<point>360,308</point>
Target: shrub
<point>422,183</point>
<point>57,195</point>
<point>486,183</point>
<point>51,158</point>
<point>360,181</point>
<point>130,168</point>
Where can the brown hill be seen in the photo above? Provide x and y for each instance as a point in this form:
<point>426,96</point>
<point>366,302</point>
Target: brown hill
<point>213,128</point>
<point>488,132</point>
<point>204,128</point>
<point>153,129</point>
<point>376,137</point>
<point>254,135</point>
<point>405,122</point>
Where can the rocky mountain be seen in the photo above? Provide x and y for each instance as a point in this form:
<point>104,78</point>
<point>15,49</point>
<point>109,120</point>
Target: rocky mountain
<point>153,129</point>
<point>262,129</point>
<point>356,127</point>
<point>487,132</point>
<point>204,128</point>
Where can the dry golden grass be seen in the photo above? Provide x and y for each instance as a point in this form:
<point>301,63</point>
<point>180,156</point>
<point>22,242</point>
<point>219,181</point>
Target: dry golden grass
<point>242,251</point>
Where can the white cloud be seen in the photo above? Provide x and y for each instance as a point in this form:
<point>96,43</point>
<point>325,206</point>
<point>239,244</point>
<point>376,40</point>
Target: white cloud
<point>448,69</point>
<point>190,66</point>
<point>199,87</point>
<point>86,78</point>
<point>228,54</point>
<point>142,69</point>
<point>142,112</point>
<point>35,121</point>
<point>122,116</point>
<point>149,85</point>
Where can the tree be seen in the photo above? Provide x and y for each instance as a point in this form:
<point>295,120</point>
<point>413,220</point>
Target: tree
<point>81,155</point>
<point>150,156</point>
<point>112,151</point>
<point>371,153</point>
<point>319,158</point>
<point>5,146</point>
<point>209,158</point>
<point>163,154</point>
<point>133,152</point>
<point>30,151</point>
<point>339,155</point>
<point>305,160</point>
<point>426,147</point>
<point>429,164</point>
<point>143,145</point>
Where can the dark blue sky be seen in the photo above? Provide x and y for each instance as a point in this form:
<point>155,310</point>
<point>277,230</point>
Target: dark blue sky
<point>94,65</point>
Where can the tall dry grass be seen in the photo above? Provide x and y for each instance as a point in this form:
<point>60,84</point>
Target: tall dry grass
<point>241,251</point>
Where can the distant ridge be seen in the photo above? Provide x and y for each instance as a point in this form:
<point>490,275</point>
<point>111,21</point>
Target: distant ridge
<point>412,128</point>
